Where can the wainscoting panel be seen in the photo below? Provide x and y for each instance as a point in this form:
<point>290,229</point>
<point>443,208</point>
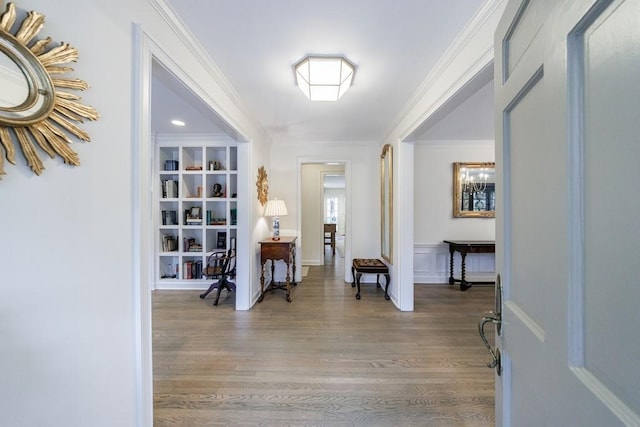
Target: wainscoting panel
<point>431,264</point>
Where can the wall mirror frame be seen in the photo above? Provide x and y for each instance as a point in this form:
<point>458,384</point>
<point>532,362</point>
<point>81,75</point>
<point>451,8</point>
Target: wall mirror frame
<point>36,109</point>
<point>474,190</point>
<point>386,203</point>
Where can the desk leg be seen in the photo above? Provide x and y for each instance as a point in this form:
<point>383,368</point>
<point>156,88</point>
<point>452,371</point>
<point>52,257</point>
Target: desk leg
<point>293,283</point>
<point>464,285</point>
<point>288,283</point>
<point>261,282</point>
<point>451,252</point>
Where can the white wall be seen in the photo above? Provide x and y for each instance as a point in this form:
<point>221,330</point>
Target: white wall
<point>434,221</point>
<point>69,317</point>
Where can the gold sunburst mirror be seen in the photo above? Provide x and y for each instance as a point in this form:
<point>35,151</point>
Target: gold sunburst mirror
<point>262,185</point>
<point>34,111</point>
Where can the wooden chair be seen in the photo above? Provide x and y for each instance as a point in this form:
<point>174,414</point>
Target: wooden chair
<point>220,266</point>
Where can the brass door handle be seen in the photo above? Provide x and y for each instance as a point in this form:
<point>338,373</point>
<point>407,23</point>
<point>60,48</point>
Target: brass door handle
<point>496,319</point>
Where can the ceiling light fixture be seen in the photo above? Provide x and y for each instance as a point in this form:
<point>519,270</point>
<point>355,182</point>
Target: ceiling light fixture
<point>324,78</point>
<point>176,122</point>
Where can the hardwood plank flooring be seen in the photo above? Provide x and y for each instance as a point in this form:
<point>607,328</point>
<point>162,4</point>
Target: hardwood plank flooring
<point>325,359</point>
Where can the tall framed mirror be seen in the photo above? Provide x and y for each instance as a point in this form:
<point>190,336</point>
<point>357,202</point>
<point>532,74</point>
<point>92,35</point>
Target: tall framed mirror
<point>474,190</point>
<point>386,205</point>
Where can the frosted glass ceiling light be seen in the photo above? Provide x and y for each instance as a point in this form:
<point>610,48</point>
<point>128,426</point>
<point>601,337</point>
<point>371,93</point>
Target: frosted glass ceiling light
<point>323,78</point>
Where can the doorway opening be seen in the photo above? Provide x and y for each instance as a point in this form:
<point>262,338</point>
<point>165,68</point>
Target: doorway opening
<point>324,205</point>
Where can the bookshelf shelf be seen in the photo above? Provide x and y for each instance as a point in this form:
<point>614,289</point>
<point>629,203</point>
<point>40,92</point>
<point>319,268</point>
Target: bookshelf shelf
<point>196,207</point>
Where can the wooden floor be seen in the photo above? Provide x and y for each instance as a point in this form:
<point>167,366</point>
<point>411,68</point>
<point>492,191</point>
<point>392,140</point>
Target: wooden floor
<point>325,359</point>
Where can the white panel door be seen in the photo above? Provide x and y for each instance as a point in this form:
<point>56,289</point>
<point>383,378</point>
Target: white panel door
<point>568,234</point>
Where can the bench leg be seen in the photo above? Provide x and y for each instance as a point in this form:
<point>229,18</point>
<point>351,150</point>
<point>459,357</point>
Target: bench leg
<point>358,275</point>
<point>386,289</point>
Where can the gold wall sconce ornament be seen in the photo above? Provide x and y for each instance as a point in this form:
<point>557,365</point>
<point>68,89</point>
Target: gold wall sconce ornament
<point>34,110</point>
<point>262,185</point>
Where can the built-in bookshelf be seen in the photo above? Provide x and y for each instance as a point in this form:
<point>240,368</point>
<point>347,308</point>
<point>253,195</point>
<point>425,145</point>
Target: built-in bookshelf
<point>196,210</point>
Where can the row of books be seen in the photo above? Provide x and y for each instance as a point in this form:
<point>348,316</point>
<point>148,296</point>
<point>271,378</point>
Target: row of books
<point>169,189</point>
<point>169,218</point>
<point>169,243</point>
<point>192,270</point>
<point>171,165</point>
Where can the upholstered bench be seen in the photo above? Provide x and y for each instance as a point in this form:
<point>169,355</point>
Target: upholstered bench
<point>362,266</point>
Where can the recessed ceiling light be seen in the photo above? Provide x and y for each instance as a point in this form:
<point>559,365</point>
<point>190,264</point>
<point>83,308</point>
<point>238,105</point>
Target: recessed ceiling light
<point>176,122</point>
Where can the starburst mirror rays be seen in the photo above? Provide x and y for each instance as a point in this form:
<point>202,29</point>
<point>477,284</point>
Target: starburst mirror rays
<point>42,113</point>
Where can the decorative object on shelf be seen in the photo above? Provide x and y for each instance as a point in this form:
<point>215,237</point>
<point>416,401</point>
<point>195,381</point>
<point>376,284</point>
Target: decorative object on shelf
<point>217,190</point>
<point>324,78</point>
<point>474,190</point>
<point>40,113</point>
<point>263,185</point>
<point>276,208</point>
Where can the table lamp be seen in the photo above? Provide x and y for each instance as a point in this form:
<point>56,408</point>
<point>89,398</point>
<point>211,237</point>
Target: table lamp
<point>275,208</point>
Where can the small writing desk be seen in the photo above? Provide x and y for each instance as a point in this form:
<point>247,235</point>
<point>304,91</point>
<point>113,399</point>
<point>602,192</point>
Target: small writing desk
<point>465,247</point>
<point>285,250</point>
<point>330,229</point>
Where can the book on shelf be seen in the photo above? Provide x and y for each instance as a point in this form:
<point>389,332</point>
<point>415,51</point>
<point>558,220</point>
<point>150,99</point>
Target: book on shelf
<point>234,216</point>
<point>222,240</point>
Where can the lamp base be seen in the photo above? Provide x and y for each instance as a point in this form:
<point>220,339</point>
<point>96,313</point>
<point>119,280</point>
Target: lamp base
<point>276,228</point>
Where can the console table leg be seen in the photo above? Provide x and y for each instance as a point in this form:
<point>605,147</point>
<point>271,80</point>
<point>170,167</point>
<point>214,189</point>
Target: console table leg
<point>464,285</point>
<point>451,252</point>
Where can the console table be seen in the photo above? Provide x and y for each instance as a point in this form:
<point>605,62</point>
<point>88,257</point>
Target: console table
<point>274,250</point>
<point>467,247</point>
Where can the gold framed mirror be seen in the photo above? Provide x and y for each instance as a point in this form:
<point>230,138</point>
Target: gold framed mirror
<point>33,110</point>
<point>474,190</point>
<point>386,202</point>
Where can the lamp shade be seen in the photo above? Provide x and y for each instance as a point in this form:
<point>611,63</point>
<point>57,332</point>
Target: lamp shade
<point>324,78</point>
<point>275,208</point>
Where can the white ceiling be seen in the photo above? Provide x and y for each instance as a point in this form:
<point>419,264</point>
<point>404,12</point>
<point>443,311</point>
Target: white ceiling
<point>255,43</point>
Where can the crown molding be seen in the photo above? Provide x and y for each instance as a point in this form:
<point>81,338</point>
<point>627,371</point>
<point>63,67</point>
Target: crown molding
<point>455,49</point>
<point>184,34</point>
<point>455,143</point>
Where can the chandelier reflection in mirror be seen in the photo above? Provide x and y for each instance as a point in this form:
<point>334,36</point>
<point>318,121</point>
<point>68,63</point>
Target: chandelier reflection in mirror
<point>41,112</point>
<point>472,185</point>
